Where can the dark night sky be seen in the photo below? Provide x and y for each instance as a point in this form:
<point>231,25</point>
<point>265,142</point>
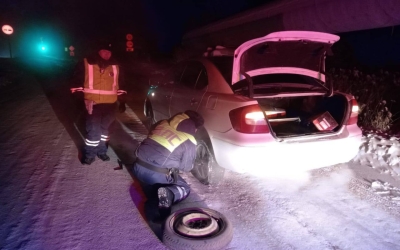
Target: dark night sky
<point>155,24</point>
<point>152,22</point>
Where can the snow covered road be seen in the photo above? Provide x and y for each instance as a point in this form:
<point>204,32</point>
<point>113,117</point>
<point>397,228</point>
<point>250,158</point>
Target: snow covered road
<point>50,201</point>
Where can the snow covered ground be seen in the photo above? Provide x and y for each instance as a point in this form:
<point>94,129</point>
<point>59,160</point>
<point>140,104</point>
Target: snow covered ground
<point>354,205</point>
<point>50,201</point>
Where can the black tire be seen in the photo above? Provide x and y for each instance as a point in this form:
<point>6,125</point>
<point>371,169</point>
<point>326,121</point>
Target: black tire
<point>148,112</point>
<point>205,168</point>
<point>197,228</point>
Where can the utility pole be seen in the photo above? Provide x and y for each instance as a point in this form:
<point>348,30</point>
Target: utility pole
<point>8,30</point>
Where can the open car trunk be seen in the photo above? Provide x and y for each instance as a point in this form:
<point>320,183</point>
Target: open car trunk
<point>304,115</point>
<point>285,72</point>
<point>296,105</point>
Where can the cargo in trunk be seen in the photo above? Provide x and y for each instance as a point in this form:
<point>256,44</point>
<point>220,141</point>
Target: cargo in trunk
<point>304,115</point>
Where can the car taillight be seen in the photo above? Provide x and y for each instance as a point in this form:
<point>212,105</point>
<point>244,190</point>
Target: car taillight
<point>354,113</point>
<point>249,120</point>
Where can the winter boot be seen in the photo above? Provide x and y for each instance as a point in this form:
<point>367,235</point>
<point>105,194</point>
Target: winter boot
<point>88,160</point>
<point>165,198</point>
<point>104,157</point>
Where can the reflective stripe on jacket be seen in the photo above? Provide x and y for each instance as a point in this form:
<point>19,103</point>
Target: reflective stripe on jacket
<point>101,87</point>
<point>166,134</point>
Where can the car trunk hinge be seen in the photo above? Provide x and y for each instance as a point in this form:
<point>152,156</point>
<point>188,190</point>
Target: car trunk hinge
<point>249,83</point>
<point>322,68</point>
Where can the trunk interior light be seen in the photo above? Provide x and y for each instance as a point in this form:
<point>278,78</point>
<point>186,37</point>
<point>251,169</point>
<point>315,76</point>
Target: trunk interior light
<point>278,113</point>
<point>249,120</point>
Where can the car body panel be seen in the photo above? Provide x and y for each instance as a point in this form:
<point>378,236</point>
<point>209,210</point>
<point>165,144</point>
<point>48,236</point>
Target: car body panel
<point>270,154</point>
<point>184,97</point>
<point>219,105</point>
<point>242,152</point>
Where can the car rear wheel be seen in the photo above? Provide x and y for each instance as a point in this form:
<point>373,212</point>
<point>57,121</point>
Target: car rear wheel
<point>197,228</point>
<point>205,168</point>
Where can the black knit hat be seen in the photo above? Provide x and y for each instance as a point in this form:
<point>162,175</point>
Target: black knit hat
<point>104,45</point>
<point>195,117</point>
<point>187,126</point>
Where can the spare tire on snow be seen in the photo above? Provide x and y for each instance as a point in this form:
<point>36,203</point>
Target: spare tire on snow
<point>197,228</point>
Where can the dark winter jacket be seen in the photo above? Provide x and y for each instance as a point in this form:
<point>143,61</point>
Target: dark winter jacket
<point>78,78</point>
<point>170,145</point>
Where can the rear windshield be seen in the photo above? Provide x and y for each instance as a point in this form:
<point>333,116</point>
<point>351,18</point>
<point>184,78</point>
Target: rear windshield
<point>224,65</point>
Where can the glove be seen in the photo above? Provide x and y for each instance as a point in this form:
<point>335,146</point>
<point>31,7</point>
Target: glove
<point>73,90</point>
<point>175,175</point>
<point>121,92</point>
<point>121,107</point>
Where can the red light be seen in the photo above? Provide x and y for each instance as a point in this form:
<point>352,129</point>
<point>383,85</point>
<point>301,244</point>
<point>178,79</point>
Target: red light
<point>249,120</point>
<point>353,119</point>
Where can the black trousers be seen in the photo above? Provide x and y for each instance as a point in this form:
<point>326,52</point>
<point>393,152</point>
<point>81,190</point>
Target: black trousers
<point>97,124</point>
<point>180,188</point>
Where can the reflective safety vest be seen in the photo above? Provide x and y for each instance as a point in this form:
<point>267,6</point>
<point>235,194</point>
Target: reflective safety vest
<point>167,135</point>
<point>101,87</point>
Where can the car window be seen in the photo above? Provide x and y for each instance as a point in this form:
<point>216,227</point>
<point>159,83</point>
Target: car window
<point>224,65</point>
<point>202,82</point>
<point>174,75</point>
<point>191,74</point>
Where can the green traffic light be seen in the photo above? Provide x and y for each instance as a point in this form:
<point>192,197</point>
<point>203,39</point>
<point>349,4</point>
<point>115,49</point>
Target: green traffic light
<point>43,48</point>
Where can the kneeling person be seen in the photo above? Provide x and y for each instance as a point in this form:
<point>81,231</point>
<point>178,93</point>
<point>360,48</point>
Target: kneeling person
<point>169,148</point>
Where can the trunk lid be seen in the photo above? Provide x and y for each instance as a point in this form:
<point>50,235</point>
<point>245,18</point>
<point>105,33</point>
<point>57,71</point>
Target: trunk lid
<point>286,53</point>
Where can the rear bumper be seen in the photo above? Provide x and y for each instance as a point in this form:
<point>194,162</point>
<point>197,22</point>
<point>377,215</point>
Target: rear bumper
<point>286,156</point>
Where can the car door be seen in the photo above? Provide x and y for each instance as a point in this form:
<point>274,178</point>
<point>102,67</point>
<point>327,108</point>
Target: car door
<point>161,95</point>
<point>189,92</point>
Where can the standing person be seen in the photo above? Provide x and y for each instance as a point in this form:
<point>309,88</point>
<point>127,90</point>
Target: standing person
<point>169,148</point>
<point>101,87</point>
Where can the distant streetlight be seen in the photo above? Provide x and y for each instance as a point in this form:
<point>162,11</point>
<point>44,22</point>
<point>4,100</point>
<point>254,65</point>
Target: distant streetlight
<point>8,30</point>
